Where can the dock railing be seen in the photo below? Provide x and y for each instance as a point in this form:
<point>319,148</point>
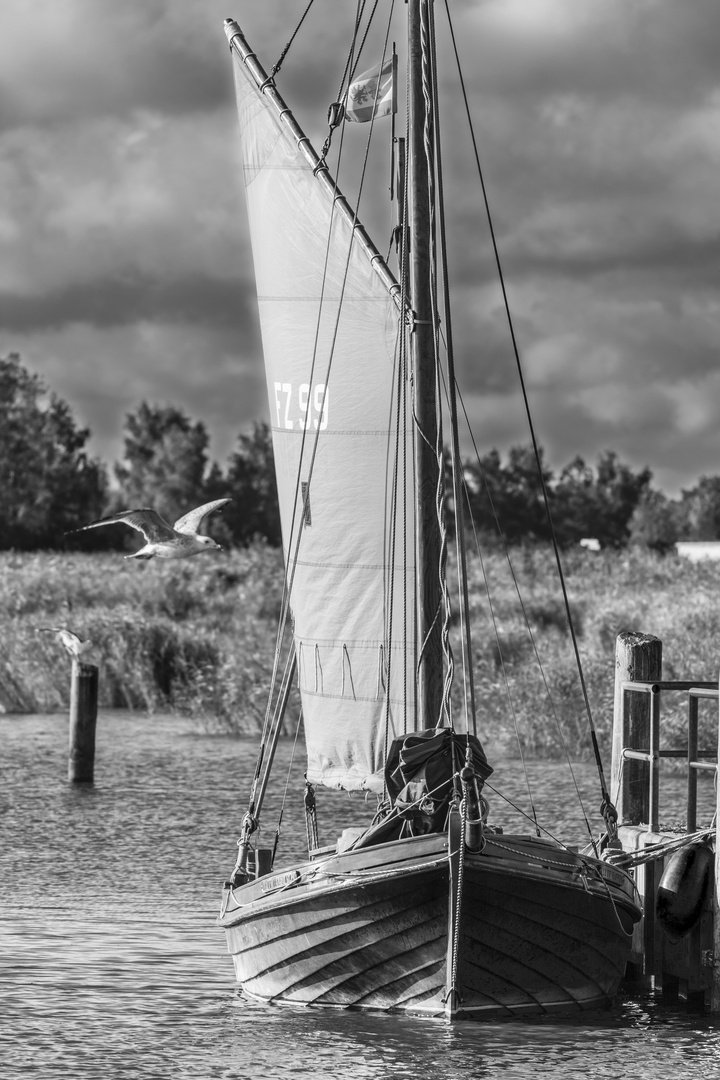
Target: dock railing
<point>695,691</point>
<point>691,966</point>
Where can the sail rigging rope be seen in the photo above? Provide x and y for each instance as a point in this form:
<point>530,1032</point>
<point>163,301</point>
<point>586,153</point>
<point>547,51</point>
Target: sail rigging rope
<point>466,639</point>
<point>506,679</point>
<point>308,456</point>
<point>491,609</point>
<point>278,64</point>
<point>287,585</point>
<point>391,533</point>
<point>513,575</point>
<point>287,588</point>
<point>443,609</point>
<point>358,52</point>
<point>285,607</point>
<point>607,809</point>
<point>250,822</point>
<point>278,827</point>
<point>336,113</point>
<point>273,717</point>
<point>313,451</point>
<point>541,666</point>
<point>538,660</point>
<point>389,590</point>
<point>409,624</point>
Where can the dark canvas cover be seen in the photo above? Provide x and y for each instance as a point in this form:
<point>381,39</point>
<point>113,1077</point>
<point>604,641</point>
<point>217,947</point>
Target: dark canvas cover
<point>419,773</point>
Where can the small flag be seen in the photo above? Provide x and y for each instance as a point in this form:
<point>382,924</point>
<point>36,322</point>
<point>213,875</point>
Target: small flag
<point>372,93</point>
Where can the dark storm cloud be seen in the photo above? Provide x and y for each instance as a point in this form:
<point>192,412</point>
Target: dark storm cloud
<point>662,51</point>
<point>177,82</point>
<point>124,253</point>
<point>482,342</point>
<point>667,256</point>
<point>125,301</point>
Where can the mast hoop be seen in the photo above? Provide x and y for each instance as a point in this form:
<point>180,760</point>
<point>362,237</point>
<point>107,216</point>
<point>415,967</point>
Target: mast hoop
<point>413,322</point>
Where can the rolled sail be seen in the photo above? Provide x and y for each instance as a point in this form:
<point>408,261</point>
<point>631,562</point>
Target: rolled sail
<point>330,331</point>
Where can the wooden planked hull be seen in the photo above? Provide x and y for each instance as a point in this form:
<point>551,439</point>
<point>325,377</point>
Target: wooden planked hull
<point>373,929</point>
<point>535,943</point>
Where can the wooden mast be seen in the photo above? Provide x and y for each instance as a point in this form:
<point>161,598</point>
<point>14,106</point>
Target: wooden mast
<point>420,164</point>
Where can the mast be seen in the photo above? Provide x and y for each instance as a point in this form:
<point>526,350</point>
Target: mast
<point>420,166</point>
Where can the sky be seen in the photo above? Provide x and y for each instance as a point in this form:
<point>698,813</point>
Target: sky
<point>125,268</point>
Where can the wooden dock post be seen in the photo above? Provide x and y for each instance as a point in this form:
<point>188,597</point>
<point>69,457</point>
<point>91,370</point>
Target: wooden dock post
<point>638,658</point>
<point>83,716</point>
<point>715,958</point>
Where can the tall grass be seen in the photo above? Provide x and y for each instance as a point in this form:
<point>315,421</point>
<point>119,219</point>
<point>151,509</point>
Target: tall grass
<point>609,592</point>
<point>196,637</point>
<point>199,636</point>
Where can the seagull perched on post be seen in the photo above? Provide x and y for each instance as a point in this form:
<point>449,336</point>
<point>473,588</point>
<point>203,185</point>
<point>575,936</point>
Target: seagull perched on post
<point>163,541</point>
<point>74,645</point>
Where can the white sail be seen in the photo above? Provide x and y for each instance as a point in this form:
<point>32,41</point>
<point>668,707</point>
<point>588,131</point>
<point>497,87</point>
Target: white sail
<point>330,341</point>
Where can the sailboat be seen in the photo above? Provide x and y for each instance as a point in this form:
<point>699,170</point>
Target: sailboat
<point>426,907</point>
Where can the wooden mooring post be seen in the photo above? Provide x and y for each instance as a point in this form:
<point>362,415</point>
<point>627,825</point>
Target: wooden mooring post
<point>638,658</point>
<point>83,717</point>
<point>690,965</point>
<point>715,958</point>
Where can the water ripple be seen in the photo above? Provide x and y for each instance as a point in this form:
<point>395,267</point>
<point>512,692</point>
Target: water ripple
<point>111,964</point>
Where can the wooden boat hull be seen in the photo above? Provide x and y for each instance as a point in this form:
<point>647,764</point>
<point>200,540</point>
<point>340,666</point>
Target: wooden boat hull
<point>540,930</point>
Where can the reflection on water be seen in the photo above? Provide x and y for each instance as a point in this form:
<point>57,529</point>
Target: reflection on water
<point>111,965</point>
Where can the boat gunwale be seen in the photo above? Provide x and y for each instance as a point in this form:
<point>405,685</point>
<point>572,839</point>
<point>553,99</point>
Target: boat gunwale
<point>317,878</point>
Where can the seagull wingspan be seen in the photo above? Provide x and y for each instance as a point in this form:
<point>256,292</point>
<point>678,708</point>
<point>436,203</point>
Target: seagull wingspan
<point>73,644</point>
<point>191,522</point>
<point>146,521</point>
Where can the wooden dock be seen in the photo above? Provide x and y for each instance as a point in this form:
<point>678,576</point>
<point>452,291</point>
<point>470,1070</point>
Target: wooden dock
<point>687,967</point>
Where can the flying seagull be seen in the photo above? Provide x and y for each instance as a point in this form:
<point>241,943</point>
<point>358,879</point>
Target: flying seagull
<point>74,646</point>
<point>178,541</point>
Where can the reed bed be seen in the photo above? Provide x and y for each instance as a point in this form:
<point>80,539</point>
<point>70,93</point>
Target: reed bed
<point>199,637</point>
<point>195,637</point>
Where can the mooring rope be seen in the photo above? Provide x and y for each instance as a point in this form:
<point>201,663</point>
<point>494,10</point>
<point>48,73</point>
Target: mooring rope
<point>607,809</point>
<point>453,992</point>
<point>659,850</point>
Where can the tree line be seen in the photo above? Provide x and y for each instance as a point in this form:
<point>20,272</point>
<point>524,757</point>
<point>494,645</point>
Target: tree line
<point>50,484</point>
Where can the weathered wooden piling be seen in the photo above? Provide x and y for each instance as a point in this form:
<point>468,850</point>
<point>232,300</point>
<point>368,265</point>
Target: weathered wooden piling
<point>715,958</point>
<point>83,717</point>
<point>638,658</point>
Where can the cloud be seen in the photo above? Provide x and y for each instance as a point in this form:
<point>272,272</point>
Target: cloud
<point>607,49</point>
<point>125,270</point>
<point>214,375</point>
<point>89,59</point>
<point>142,194</point>
<point>114,302</point>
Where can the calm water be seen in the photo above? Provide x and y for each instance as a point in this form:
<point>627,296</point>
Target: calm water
<point>111,965</point>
